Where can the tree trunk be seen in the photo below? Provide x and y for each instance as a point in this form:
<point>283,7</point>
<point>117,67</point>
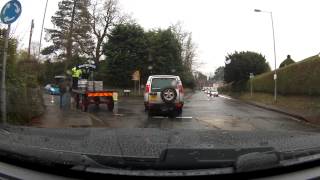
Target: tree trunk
<point>69,45</point>
<point>98,53</point>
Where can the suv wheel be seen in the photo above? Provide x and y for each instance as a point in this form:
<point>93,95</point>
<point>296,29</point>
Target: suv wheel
<point>168,95</point>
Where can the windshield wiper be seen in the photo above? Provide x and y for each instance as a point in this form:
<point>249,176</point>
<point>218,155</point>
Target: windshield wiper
<point>206,158</point>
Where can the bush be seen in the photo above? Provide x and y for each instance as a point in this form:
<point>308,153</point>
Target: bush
<point>242,64</point>
<point>188,80</point>
<point>24,95</point>
<point>238,87</point>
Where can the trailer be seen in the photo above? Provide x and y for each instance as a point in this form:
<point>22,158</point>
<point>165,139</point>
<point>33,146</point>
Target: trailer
<point>92,92</point>
<point>83,98</point>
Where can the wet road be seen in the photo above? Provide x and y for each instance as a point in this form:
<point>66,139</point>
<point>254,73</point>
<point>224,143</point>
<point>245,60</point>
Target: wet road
<point>200,112</point>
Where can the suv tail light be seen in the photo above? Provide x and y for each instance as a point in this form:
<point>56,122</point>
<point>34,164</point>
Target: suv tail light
<point>180,88</point>
<point>147,88</point>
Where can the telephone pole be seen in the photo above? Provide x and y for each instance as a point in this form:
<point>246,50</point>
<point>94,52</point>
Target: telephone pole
<point>44,17</point>
<point>30,38</point>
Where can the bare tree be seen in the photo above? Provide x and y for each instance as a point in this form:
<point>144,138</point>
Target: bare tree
<point>189,54</point>
<point>188,47</point>
<point>105,14</point>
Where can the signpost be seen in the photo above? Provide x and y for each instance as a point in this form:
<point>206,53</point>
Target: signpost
<point>251,77</point>
<point>136,77</point>
<point>10,13</point>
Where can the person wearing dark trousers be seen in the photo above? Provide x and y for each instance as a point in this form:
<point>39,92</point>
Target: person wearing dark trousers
<point>63,88</point>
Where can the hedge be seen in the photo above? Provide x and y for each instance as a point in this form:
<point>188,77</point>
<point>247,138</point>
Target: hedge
<point>301,78</point>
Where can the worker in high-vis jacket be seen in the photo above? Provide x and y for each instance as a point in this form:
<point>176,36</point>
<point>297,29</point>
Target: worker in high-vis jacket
<point>76,73</point>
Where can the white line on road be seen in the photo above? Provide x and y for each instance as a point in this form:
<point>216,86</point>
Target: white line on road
<point>94,117</point>
<point>164,117</point>
<point>226,97</point>
<point>159,117</point>
<point>183,117</point>
<point>4,131</point>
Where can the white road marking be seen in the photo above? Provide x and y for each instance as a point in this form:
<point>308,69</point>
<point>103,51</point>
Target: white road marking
<point>183,117</point>
<point>4,131</point>
<point>95,118</point>
<point>295,119</point>
<point>164,117</point>
<point>159,117</point>
<point>226,97</point>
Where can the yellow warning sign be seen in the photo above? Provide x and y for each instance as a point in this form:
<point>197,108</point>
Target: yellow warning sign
<point>136,76</point>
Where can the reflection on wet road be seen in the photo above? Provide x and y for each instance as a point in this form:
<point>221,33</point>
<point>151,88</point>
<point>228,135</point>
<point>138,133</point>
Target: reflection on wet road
<point>200,112</point>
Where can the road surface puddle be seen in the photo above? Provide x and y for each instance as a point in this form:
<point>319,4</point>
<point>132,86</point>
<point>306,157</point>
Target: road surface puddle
<point>230,124</point>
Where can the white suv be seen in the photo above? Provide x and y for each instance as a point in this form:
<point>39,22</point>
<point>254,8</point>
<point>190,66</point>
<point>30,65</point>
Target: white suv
<point>164,93</point>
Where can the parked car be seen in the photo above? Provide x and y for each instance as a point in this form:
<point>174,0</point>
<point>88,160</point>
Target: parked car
<point>164,93</point>
<point>52,89</point>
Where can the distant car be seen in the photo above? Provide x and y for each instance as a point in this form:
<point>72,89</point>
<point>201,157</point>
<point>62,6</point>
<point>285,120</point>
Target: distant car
<point>52,89</point>
<point>164,93</point>
<point>214,93</point>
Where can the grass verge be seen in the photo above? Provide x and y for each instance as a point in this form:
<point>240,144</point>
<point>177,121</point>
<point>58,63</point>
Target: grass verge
<point>306,106</point>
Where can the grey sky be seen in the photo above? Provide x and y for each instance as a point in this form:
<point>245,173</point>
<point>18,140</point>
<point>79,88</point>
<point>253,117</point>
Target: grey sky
<point>218,27</point>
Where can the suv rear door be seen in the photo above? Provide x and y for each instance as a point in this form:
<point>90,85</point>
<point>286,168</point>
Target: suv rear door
<point>158,84</point>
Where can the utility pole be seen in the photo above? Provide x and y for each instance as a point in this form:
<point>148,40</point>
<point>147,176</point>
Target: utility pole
<point>44,17</point>
<point>274,53</point>
<point>30,38</point>
<point>275,61</point>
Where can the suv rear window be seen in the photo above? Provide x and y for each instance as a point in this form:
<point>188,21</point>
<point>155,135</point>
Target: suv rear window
<point>158,84</point>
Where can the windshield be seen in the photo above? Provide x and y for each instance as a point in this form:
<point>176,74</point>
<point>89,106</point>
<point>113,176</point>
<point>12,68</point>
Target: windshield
<point>149,80</point>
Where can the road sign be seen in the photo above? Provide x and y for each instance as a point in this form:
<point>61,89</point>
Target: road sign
<point>251,75</point>
<point>136,76</point>
<point>275,77</point>
<point>10,12</point>
<point>87,66</point>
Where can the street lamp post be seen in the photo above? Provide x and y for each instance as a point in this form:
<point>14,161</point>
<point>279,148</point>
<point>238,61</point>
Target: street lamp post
<point>274,52</point>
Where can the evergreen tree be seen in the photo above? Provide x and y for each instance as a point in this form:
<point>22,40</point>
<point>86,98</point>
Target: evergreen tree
<point>71,34</point>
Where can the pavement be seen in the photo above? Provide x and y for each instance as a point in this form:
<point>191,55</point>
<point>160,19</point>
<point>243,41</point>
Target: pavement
<point>200,113</point>
<point>67,116</point>
<point>279,110</point>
